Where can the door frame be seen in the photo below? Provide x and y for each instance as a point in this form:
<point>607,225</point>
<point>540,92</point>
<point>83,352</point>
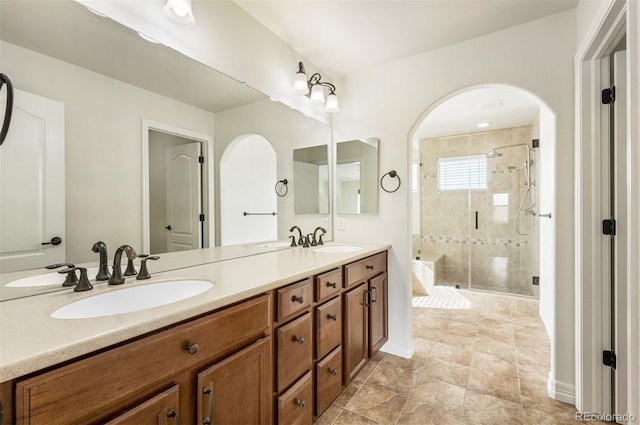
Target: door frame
<point>617,19</point>
<point>208,200</point>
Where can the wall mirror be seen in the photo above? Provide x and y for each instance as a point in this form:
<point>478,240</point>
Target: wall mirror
<point>357,176</point>
<point>311,180</point>
<point>106,81</point>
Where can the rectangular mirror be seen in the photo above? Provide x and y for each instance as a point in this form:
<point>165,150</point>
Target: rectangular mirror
<point>311,180</point>
<point>357,176</point>
<point>109,82</point>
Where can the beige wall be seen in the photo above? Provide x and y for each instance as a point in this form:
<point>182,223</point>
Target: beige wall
<point>501,259</point>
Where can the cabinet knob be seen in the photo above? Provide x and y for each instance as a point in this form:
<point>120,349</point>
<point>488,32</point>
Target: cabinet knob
<point>333,372</point>
<point>299,340</point>
<point>206,421</point>
<point>297,299</point>
<point>369,267</point>
<point>332,285</point>
<point>171,413</point>
<point>300,403</point>
<point>333,317</point>
<point>192,348</point>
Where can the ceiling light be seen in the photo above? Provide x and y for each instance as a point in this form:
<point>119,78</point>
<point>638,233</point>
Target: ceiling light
<point>179,11</point>
<point>484,124</point>
<point>314,88</point>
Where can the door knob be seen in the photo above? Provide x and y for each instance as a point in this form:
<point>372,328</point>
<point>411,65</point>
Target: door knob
<point>168,227</point>
<point>54,241</point>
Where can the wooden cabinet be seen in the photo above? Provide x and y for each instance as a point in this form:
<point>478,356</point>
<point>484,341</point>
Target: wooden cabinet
<point>365,312</point>
<point>235,365</point>
<point>159,410</point>
<point>378,313</point>
<point>356,331</point>
<point>236,391</point>
<point>295,407</point>
<point>328,380</point>
<point>99,387</point>
<point>294,350</point>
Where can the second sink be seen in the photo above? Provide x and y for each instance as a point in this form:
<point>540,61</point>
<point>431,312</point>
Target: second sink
<point>132,299</point>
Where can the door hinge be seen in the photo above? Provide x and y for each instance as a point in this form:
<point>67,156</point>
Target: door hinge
<point>609,95</point>
<point>609,358</point>
<point>535,143</point>
<point>609,227</point>
<point>201,217</point>
<point>201,159</point>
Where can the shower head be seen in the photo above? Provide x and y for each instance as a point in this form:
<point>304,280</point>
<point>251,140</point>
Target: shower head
<point>494,154</point>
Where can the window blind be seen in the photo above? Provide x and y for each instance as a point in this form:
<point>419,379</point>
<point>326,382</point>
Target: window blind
<point>462,172</point>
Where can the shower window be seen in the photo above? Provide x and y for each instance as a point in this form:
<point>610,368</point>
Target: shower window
<point>462,172</point>
<point>501,207</point>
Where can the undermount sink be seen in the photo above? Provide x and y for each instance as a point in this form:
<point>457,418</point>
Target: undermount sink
<point>132,299</point>
<point>54,278</point>
<point>275,244</point>
<point>336,249</point>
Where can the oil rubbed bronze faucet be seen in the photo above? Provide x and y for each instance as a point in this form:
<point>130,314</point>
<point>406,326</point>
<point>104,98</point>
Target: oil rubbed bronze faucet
<point>103,268</point>
<point>318,240</point>
<point>116,277</point>
<point>300,238</point>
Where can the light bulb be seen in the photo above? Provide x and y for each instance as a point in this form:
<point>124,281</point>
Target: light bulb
<point>317,94</point>
<point>332,103</point>
<point>300,85</point>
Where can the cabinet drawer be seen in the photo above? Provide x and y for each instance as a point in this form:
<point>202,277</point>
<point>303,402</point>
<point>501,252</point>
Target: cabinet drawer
<point>328,380</point>
<point>294,350</point>
<point>364,269</point>
<point>161,409</point>
<point>90,389</point>
<point>294,298</point>
<point>328,327</point>
<point>295,406</point>
<point>328,284</point>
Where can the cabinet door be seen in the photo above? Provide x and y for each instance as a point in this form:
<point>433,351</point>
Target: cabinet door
<point>159,410</point>
<point>378,328</point>
<point>356,315</point>
<point>238,389</point>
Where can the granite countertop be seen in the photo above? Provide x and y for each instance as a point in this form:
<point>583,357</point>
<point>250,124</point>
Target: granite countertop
<point>31,340</point>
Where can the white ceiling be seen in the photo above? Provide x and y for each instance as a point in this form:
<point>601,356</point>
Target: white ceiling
<point>502,107</point>
<point>345,36</point>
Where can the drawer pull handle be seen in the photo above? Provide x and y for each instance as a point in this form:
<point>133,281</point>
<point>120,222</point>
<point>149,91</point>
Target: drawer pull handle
<point>332,285</point>
<point>300,403</point>
<point>171,413</point>
<point>333,317</point>
<point>374,293</point>
<point>333,372</point>
<point>207,420</point>
<point>192,348</point>
<point>297,299</point>
<point>299,340</point>
<point>369,267</point>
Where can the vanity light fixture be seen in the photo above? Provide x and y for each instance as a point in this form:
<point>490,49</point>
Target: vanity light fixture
<point>179,11</point>
<point>484,124</point>
<point>314,88</point>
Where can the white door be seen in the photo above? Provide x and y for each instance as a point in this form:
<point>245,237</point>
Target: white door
<point>619,207</point>
<point>32,191</point>
<point>183,197</point>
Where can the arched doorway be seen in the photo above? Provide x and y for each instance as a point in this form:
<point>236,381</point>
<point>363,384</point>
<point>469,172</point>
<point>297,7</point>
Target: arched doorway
<point>248,202</point>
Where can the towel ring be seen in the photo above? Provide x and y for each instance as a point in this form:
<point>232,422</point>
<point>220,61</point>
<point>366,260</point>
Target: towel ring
<point>283,183</point>
<point>393,175</point>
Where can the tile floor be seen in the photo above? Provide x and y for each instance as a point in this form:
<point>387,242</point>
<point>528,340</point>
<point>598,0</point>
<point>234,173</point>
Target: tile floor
<point>486,363</point>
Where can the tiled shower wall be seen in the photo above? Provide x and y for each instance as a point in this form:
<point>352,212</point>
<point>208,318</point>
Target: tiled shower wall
<point>493,257</point>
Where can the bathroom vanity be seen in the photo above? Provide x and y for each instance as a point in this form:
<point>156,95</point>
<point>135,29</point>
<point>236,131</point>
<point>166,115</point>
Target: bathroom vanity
<point>276,340</point>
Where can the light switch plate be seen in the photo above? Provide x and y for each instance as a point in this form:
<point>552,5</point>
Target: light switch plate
<point>340,223</point>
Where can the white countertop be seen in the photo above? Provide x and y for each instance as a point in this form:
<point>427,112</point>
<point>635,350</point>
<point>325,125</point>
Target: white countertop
<point>31,340</point>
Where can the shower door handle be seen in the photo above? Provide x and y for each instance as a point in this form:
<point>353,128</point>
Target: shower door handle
<point>476,220</point>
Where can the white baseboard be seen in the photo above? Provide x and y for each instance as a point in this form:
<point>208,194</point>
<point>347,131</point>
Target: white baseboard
<point>401,350</point>
<point>561,391</point>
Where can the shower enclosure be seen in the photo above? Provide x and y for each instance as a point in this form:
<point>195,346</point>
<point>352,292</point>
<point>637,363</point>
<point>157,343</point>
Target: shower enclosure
<point>478,210</point>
